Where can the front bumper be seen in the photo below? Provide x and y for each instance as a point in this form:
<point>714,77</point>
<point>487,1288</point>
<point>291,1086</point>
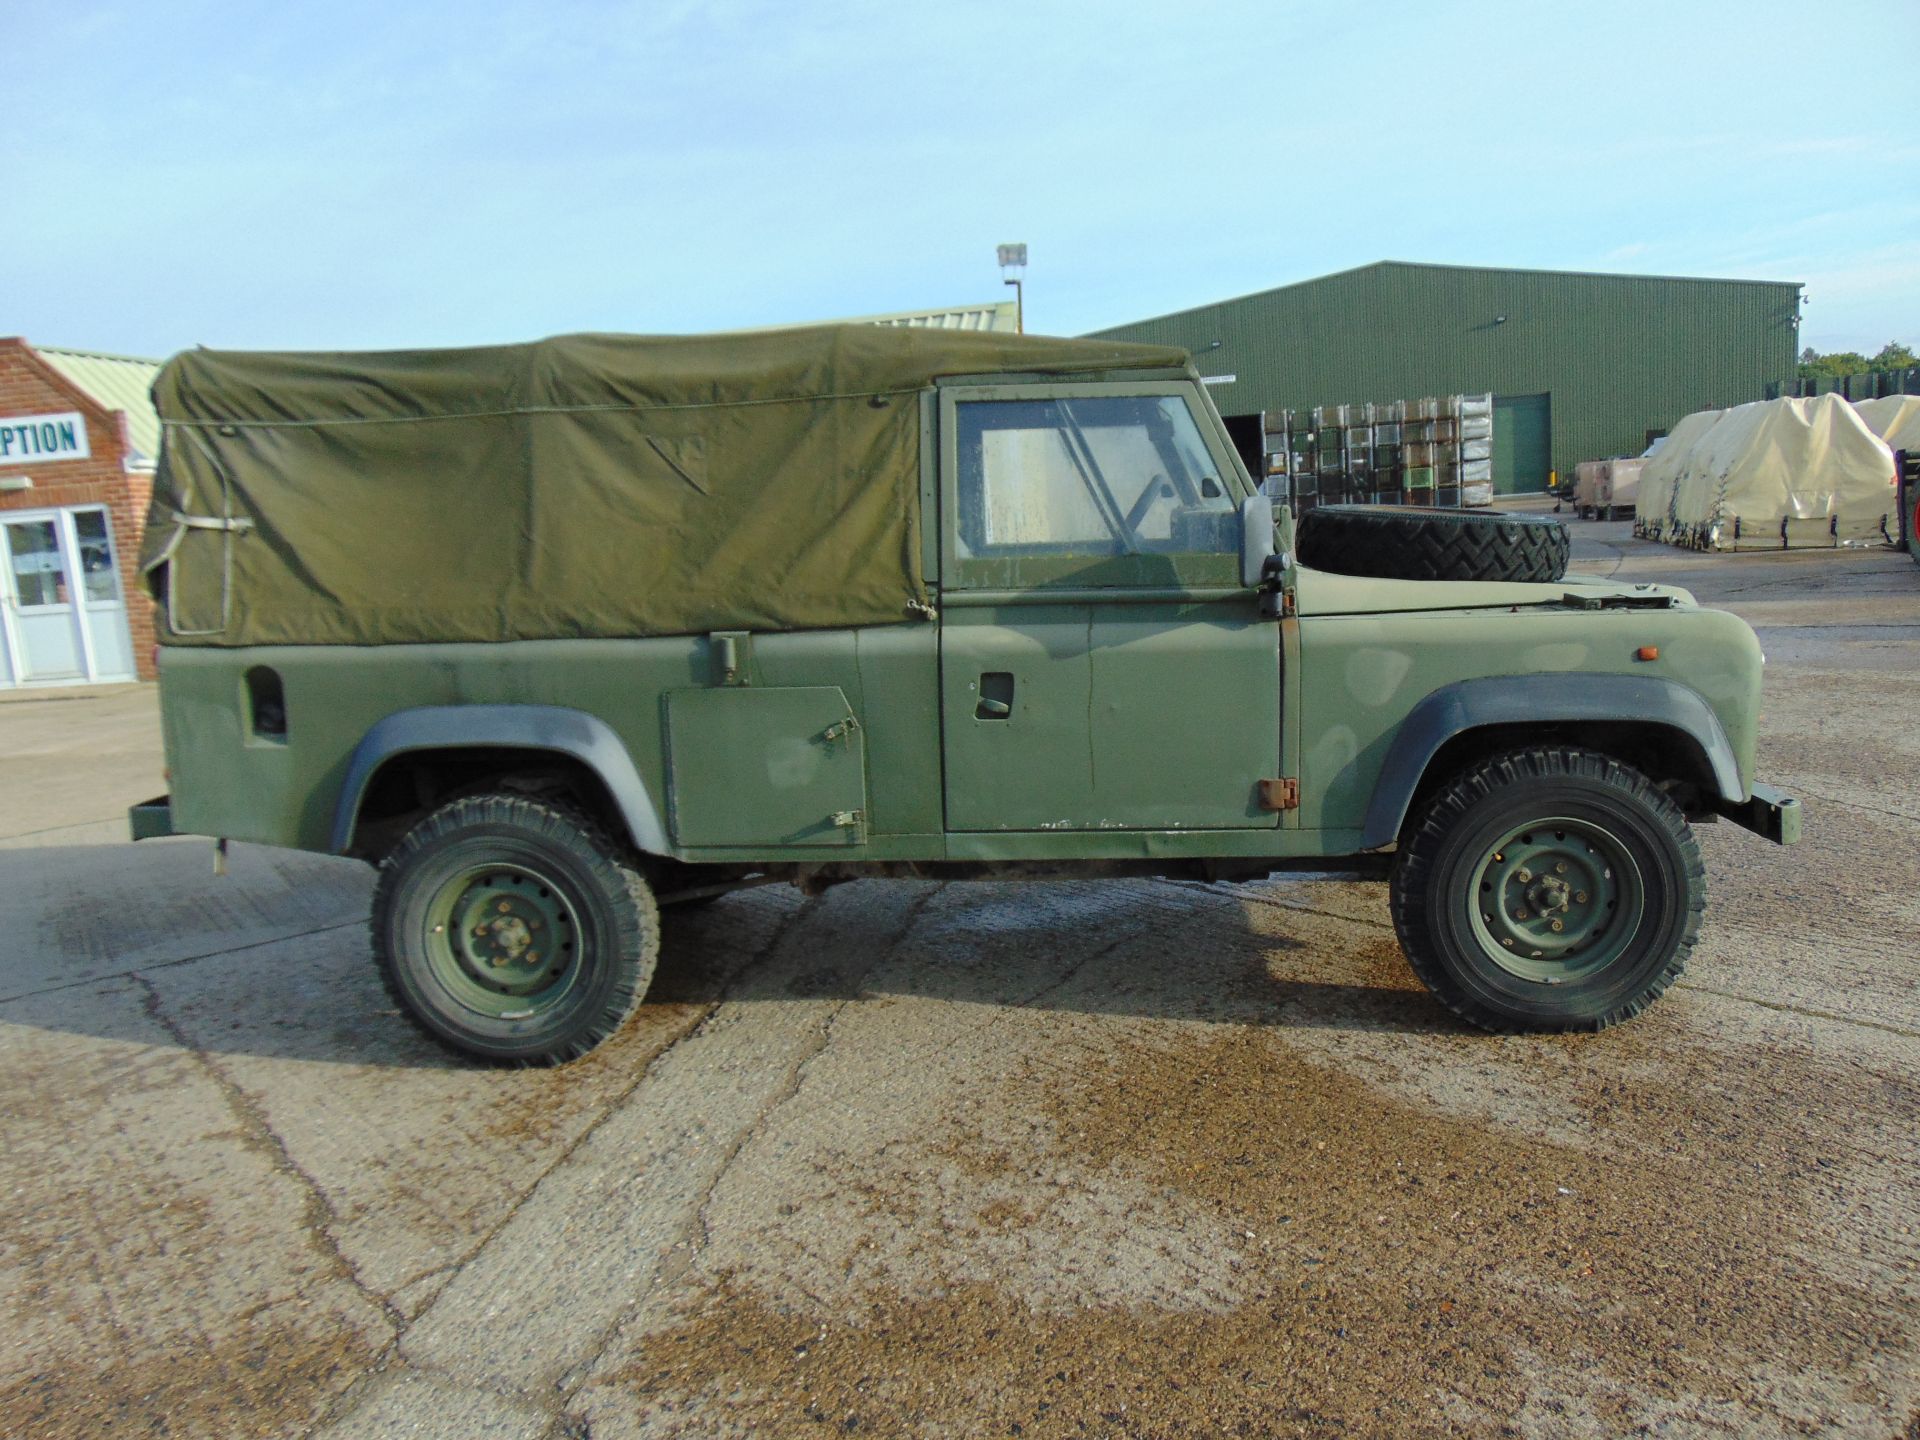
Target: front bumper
<point>1769,812</point>
<point>152,819</point>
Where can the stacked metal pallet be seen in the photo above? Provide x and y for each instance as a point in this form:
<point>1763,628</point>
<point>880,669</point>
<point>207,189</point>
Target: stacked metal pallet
<point>1410,452</point>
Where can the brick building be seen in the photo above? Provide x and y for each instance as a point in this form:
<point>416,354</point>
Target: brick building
<point>78,443</point>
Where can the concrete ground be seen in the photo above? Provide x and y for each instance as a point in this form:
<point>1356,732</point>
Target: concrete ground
<point>1128,1158</point>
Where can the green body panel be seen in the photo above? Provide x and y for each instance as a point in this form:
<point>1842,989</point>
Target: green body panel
<point>284,792</point>
<point>765,766</point>
<point>1362,674</point>
<point>1320,592</point>
<point>1123,716</point>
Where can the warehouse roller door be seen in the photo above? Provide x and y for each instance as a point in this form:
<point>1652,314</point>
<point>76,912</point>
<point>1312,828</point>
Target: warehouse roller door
<point>1522,449</point>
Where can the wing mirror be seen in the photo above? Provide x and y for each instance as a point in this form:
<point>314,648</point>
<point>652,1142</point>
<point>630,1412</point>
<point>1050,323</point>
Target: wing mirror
<point>1256,540</point>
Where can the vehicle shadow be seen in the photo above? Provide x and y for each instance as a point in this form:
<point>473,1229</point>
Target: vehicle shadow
<point>1137,949</point>
<point>142,945</point>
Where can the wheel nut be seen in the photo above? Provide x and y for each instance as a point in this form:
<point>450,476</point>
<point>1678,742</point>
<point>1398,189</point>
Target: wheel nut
<point>1561,867</point>
<point>533,957</point>
<point>1558,926</point>
<point>1581,896</point>
<point>1519,914</point>
<point>503,907</point>
<point>1523,875</point>
<point>1507,943</point>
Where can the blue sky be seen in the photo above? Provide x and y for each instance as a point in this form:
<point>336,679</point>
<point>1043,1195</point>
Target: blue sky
<point>349,175</point>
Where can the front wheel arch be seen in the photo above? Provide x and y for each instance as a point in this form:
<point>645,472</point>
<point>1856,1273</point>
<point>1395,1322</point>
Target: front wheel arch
<point>1659,726</point>
<point>1672,758</point>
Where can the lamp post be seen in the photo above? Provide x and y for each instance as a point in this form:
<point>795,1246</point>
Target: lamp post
<point>1014,258</point>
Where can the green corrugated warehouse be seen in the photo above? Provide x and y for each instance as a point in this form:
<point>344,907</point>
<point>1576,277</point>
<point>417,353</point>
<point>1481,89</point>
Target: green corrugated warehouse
<point>1581,366</point>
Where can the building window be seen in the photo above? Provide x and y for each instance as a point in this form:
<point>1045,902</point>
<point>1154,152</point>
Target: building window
<point>39,577</point>
<point>96,554</point>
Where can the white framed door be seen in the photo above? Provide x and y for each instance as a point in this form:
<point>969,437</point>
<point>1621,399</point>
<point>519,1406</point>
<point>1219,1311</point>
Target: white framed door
<point>63,619</point>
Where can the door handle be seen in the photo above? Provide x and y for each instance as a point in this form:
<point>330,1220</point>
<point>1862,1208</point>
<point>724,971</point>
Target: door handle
<point>996,696</point>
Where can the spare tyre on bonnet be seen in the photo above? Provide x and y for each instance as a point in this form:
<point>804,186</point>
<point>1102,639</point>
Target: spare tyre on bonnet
<point>1403,542</point>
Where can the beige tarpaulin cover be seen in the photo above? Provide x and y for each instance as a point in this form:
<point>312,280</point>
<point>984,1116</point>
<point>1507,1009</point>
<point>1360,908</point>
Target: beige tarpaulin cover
<point>1797,471</point>
<point>1895,419</point>
<point>590,485</point>
<point>1652,504</point>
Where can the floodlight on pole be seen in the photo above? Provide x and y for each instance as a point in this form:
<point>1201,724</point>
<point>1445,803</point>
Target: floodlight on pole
<point>1014,257</point>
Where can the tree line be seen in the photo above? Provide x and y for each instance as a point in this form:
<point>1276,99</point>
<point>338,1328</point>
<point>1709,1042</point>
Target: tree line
<point>1892,356</point>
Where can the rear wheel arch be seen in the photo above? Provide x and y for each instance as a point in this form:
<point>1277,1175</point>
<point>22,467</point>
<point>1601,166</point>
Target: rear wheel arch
<point>413,761</point>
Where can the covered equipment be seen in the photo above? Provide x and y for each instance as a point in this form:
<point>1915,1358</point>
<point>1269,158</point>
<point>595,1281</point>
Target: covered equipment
<point>1653,503</point>
<point>1895,419</point>
<point>584,486</point>
<point>1780,473</point>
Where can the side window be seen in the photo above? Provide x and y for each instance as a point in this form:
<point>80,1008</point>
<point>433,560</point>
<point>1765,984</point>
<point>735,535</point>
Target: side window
<point>1095,477</point>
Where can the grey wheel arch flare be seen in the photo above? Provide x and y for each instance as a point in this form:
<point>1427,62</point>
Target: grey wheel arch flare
<point>551,728</point>
<point>1541,700</point>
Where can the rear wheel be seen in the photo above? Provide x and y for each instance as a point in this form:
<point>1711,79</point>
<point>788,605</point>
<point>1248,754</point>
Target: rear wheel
<point>1549,889</point>
<point>511,929</point>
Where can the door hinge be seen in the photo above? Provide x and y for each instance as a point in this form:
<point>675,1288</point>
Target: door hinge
<point>1277,605</point>
<point>848,819</point>
<point>1282,794</point>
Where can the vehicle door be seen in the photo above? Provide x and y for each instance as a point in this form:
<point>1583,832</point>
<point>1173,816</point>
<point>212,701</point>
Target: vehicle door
<point>1103,667</point>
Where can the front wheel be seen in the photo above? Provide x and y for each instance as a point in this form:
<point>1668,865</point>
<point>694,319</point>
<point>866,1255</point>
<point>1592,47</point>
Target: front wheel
<point>1548,889</point>
<point>511,929</point>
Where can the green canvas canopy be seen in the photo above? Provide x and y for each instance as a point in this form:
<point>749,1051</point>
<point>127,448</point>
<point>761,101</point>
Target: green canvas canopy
<point>587,485</point>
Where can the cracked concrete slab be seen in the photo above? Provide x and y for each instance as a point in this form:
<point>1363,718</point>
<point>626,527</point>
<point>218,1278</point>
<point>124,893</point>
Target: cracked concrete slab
<point>591,1240</point>
<point>157,1259</point>
<point>411,1405</point>
<point>1131,1158</point>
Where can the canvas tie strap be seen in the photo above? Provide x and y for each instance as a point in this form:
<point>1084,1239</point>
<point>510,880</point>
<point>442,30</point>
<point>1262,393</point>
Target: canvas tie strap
<point>212,522</point>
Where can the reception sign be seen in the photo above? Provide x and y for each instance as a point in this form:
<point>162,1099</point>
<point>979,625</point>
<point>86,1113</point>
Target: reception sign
<point>37,439</point>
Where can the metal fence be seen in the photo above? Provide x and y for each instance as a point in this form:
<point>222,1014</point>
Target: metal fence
<point>1866,385</point>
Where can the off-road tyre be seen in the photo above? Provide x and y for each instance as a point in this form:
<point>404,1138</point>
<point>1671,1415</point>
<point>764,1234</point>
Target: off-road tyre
<point>1456,865</point>
<point>1408,542</point>
<point>540,874</point>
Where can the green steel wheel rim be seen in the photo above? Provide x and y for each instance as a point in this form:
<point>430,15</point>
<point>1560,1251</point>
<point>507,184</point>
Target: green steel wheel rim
<point>1556,900</point>
<point>503,940</point>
